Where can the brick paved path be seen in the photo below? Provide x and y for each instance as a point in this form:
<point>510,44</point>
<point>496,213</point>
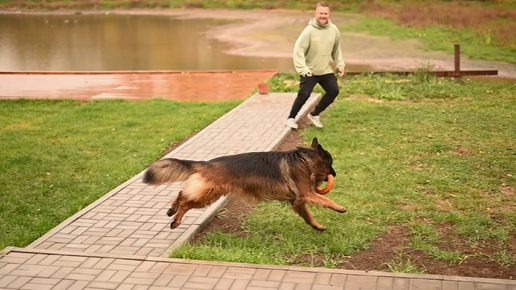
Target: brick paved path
<point>122,240</point>
<point>131,219</point>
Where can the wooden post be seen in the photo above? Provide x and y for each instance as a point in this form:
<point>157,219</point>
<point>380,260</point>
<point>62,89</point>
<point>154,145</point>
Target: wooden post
<point>457,59</point>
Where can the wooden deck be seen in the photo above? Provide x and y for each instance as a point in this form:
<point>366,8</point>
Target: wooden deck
<point>133,85</point>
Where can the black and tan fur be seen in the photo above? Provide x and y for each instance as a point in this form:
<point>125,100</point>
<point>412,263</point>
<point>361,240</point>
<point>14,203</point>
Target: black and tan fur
<point>290,176</point>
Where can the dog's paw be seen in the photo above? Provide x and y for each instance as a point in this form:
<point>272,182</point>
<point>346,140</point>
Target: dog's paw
<point>170,212</point>
<point>174,224</point>
<point>342,210</point>
<point>320,227</point>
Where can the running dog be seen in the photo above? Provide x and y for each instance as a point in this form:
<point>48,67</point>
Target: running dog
<point>293,176</point>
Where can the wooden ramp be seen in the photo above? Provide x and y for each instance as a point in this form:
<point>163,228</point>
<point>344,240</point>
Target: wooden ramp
<point>134,85</point>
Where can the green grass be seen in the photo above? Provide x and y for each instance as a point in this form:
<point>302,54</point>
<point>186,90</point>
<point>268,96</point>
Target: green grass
<point>402,264</point>
<point>475,45</point>
<point>57,157</point>
<point>440,151</point>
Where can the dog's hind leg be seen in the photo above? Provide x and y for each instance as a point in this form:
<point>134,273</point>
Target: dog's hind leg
<point>317,199</point>
<point>175,205</point>
<point>303,211</point>
<point>184,205</point>
<point>183,208</point>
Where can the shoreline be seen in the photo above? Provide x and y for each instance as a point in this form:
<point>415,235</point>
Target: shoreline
<point>272,33</point>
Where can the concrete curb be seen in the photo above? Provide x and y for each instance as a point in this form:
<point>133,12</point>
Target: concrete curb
<point>259,266</point>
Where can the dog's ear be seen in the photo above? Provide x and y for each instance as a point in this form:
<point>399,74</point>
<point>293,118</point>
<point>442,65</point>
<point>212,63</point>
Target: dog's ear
<point>320,151</point>
<point>315,143</point>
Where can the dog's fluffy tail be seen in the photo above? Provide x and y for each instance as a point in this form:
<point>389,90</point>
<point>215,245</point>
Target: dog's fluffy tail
<point>168,170</point>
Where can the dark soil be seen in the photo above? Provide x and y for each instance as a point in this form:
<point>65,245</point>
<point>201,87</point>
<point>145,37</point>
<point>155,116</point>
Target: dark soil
<point>389,247</point>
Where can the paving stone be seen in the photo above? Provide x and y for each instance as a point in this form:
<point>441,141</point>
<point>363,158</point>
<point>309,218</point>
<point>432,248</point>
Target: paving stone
<point>27,270</point>
<point>8,268</point>
<point>36,259</point>
<point>385,283</point>
<point>277,275</point>
<point>103,285</point>
<point>31,286</point>
<point>299,277</point>
<point>202,270</point>
<point>19,282</point>
<point>106,275</point>
<point>45,281</point>
<point>425,284</point>
<point>287,286</point>
<point>466,286</point>
<point>163,280</point>
<point>323,279</point>
<point>79,285</point>
<point>144,252</point>
<point>119,276</point>
<point>217,271</point>
<point>6,280</point>
<point>63,285</point>
<point>201,283</point>
<point>224,284</point>
<point>305,287</point>
<point>62,272</point>
<point>80,277</point>
<point>327,287</point>
<point>341,280</point>
<point>261,274</point>
<point>103,263</point>
<point>401,283</point>
<point>490,286</point>
<point>239,284</point>
<point>264,284</point>
<point>178,281</point>
<point>450,285</point>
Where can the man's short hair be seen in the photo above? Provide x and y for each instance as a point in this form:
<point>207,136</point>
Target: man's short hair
<point>322,4</point>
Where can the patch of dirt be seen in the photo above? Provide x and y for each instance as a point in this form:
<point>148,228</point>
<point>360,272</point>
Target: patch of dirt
<point>392,247</point>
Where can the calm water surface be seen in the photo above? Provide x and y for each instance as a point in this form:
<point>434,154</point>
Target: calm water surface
<point>106,42</point>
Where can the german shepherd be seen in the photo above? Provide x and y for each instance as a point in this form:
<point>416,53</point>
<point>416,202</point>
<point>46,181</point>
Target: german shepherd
<point>291,176</point>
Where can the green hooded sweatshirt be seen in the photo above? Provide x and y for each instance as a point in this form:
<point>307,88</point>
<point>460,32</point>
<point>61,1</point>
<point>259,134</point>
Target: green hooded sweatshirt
<point>315,46</point>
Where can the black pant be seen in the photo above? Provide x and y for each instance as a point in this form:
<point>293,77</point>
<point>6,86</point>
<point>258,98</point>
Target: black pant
<point>328,82</point>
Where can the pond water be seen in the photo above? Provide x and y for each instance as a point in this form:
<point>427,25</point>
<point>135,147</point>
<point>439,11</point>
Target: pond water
<point>110,42</point>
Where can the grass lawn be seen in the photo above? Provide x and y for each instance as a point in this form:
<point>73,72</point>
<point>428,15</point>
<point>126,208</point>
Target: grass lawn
<point>416,151</point>
<point>57,157</point>
<point>434,38</point>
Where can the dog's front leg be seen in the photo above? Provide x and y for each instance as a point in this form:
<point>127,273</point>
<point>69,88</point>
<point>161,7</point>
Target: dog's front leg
<point>317,199</point>
<point>303,211</point>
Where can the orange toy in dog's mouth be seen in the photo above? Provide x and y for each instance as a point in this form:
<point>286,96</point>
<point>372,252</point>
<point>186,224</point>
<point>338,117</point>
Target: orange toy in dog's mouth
<point>328,187</point>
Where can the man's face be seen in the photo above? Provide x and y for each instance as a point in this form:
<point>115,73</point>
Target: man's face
<point>322,14</point>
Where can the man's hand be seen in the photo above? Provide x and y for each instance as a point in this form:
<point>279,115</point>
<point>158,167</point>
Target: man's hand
<point>309,74</point>
<point>341,72</point>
